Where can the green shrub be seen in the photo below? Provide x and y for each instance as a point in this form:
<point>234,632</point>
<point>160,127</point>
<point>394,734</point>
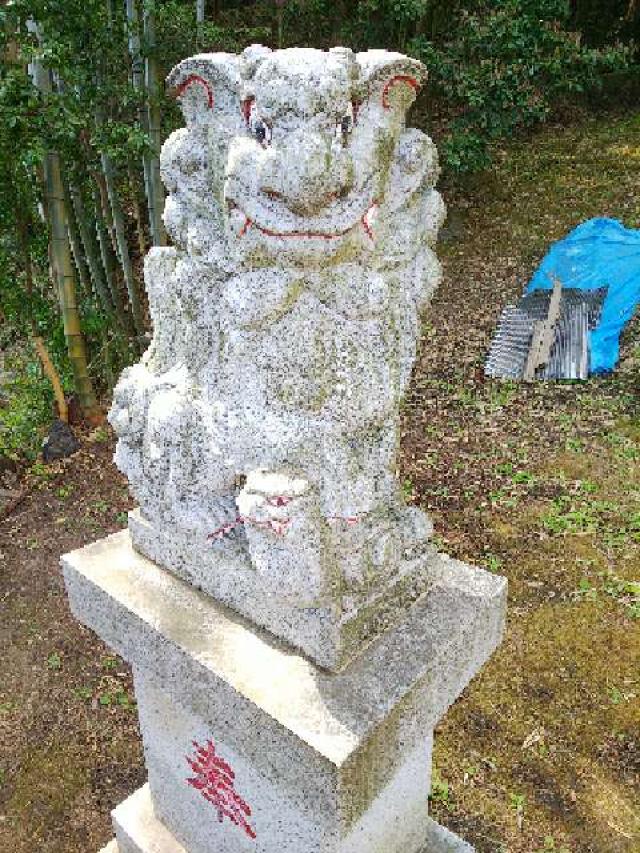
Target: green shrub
<point>503,68</point>
<point>26,405</point>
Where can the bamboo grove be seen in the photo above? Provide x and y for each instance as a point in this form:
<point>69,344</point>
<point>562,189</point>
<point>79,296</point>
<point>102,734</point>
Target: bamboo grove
<point>83,114</point>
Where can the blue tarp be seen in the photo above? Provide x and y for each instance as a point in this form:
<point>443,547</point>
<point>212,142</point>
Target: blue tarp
<point>598,253</point>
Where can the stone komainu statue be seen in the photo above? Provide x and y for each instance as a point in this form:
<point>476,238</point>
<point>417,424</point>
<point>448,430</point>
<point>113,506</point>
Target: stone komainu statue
<point>259,432</point>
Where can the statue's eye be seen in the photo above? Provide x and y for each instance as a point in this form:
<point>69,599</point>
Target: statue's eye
<point>261,131</point>
<point>344,128</point>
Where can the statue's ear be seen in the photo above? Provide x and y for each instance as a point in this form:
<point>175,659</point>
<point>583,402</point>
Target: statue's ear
<point>207,87</point>
<point>390,81</point>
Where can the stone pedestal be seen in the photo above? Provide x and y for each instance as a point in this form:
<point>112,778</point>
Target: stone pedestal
<point>252,747</point>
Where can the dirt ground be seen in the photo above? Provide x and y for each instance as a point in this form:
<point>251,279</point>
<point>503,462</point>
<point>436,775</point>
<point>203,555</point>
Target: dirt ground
<point>538,482</point>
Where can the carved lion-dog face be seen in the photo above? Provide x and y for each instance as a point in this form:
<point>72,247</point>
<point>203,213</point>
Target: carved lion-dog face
<point>302,144</point>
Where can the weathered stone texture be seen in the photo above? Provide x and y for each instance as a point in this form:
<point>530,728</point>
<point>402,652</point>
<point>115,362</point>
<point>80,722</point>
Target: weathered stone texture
<point>265,411</point>
<point>141,832</point>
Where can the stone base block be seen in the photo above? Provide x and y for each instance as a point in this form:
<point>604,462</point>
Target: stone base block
<point>252,747</point>
<point>311,809</point>
<point>142,832</point>
<point>331,630</point>
<point>138,829</point>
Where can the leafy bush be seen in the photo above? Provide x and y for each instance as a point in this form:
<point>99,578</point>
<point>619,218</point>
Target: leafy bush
<point>26,405</point>
<point>504,67</point>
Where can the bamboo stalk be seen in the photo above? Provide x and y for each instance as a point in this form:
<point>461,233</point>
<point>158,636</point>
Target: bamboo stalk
<point>280,21</point>
<point>123,248</point>
<point>63,268</point>
<point>109,262</point>
<point>105,206</point>
<point>152,81</point>
<point>91,253</point>
<point>22,226</point>
<point>137,212</point>
<point>200,13</point>
<point>61,258</point>
<point>84,276</point>
<point>137,78</point>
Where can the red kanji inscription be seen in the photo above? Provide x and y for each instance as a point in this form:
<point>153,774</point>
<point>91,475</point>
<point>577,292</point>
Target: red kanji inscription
<point>214,778</point>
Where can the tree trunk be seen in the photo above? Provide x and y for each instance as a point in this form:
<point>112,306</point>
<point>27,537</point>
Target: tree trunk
<point>152,80</point>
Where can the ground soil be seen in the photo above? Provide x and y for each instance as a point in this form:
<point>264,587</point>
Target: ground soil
<point>537,482</point>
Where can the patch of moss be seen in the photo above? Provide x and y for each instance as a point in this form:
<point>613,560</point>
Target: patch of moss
<point>50,776</point>
<point>536,724</point>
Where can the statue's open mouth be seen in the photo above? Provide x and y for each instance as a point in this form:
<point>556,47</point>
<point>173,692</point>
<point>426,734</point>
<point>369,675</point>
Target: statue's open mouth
<point>365,222</point>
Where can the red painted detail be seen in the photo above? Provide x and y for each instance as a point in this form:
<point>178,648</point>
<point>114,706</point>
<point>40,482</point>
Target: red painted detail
<point>278,525</point>
<point>365,222</point>
<point>215,780</point>
<point>399,78</point>
<point>196,78</point>
<point>245,107</point>
<point>349,520</point>
<point>221,532</point>
<point>367,228</point>
<point>317,234</point>
<point>247,224</point>
<point>309,234</point>
<point>279,500</point>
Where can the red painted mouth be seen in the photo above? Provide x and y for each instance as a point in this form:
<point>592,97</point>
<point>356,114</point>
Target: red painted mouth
<point>315,235</point>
